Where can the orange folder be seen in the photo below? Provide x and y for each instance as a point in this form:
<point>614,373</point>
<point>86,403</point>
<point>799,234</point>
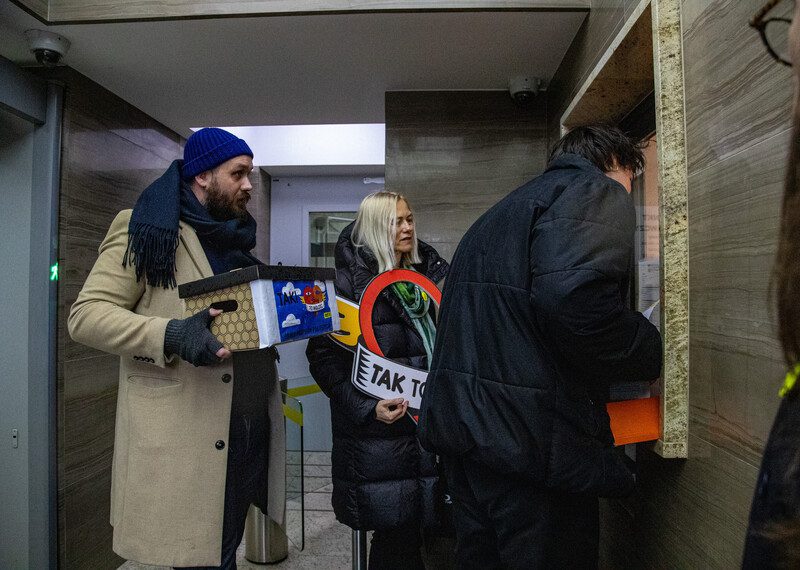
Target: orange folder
<point>633,421</point>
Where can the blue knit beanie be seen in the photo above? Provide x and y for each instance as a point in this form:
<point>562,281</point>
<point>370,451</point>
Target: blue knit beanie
<point>210,147</point>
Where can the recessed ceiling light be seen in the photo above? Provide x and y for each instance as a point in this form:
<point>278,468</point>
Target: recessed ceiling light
<point>314,145</point>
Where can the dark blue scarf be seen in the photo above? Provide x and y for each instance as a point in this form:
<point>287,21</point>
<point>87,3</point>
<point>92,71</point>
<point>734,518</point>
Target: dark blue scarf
<point>153,232</point>
<point>227,244</point>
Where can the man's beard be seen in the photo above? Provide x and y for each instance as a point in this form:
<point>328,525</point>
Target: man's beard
<point>222,207</point>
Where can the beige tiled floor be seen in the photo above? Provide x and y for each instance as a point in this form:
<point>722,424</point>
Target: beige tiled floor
<point>327,543</point>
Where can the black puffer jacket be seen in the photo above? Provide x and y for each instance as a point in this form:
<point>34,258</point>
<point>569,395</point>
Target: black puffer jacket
<point>534,325</point>
<point>382,478</point>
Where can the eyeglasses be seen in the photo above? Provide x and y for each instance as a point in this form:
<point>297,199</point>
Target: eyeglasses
<point>774,32</point>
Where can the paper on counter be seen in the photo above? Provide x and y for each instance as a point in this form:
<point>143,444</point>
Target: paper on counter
<point>649,310</point>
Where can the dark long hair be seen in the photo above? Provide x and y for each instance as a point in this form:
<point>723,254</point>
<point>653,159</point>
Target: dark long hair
<point>784,533</point>
<point>786,276</point>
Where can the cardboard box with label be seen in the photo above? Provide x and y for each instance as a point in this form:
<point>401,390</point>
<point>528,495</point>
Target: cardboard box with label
<point>265,305</point>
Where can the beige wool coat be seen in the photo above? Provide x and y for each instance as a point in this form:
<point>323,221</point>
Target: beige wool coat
<point>168,480</point>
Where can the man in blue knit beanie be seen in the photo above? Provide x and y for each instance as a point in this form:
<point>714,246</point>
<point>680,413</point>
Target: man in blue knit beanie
<point>199,433</point>
<point>208,157</point>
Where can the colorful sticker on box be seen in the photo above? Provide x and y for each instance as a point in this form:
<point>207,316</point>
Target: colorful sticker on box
<point>302,307</point>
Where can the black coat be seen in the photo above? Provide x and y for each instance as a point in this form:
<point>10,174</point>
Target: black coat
<point>382,478</point>
<point>776,503</point>
<point>534,324</point>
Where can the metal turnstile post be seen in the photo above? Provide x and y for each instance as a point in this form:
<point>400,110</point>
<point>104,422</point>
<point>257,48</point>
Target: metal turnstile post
<point>265,540</point>
<point>359,550</point>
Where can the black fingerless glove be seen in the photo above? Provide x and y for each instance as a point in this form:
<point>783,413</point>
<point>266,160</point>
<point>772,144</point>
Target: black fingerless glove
<point>190,339</point>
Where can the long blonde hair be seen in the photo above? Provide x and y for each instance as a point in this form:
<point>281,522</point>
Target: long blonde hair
<point>376,229</point>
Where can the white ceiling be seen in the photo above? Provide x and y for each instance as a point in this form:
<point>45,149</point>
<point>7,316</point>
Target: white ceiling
<point>317,69</point>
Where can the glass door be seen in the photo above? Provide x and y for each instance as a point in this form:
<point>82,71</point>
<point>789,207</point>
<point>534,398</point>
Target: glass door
<point>323,232</point>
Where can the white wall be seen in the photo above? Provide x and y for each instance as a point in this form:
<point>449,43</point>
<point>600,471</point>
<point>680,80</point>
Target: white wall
<point>293,198</point>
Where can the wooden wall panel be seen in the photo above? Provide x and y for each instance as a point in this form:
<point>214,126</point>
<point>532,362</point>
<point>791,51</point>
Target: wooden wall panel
<point>111,151</point>
<point>105,10</point>
<point>604,21</point>
<point>734,354</point>
<point>693,513</point>
<point>624,78</point>
<point>456,153</point>
<point>687,514</point>
<point>735,96</point>
<point>38,8</point>
<point>737,129</point>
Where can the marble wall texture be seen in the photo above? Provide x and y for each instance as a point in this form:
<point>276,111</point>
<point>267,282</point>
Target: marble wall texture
<point>737,129</point>
<point>673,190</point>
<point>110,152</point>
<point>456,153</point>
<point>693,513</point>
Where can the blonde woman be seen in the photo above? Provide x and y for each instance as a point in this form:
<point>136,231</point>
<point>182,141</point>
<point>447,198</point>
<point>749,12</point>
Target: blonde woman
<point>382,479</point>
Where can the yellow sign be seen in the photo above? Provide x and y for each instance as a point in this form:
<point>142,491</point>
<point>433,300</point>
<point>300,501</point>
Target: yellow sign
<point>349,327</point>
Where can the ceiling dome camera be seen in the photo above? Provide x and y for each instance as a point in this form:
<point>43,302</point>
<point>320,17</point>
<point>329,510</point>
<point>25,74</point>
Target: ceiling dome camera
<point>48,47</point>
<point>523,88</point>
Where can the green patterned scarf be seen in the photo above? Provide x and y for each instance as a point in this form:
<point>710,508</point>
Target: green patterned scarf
<point>417,304</point>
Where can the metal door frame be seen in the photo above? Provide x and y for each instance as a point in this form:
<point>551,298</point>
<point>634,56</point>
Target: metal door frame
<point>40,102</point>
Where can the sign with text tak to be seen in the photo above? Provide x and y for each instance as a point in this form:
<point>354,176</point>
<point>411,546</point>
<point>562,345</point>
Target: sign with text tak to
<point>385,379</point>
<point>373,373</point>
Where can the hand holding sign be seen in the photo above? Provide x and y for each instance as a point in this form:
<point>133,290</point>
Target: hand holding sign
<point>389,411</point>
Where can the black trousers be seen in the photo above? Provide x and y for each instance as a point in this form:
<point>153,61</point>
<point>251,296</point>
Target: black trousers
<point>504,521</point>
<point>396,549</point>
<point>245,484</point>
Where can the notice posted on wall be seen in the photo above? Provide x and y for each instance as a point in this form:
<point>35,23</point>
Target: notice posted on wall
<point>648,294</point>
